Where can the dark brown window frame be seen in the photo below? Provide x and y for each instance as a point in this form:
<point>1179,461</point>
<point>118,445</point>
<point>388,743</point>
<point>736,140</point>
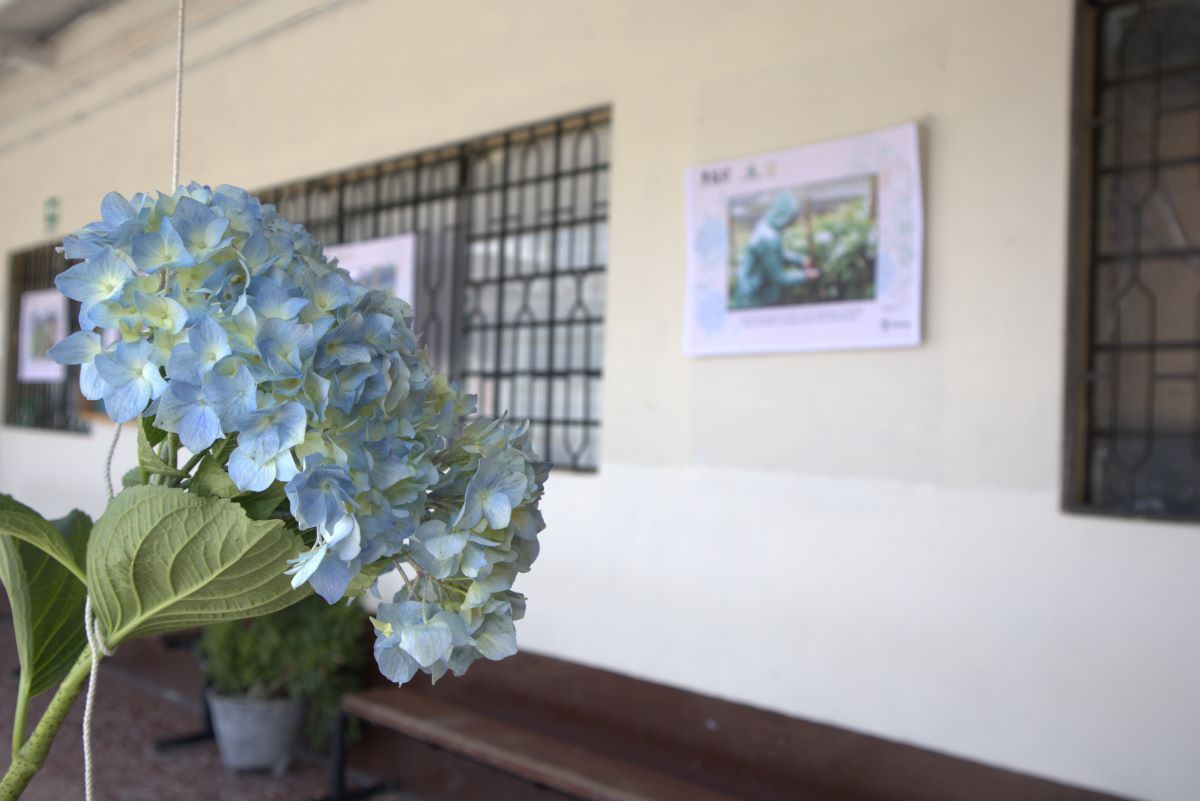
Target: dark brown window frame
<point>1081,486</point>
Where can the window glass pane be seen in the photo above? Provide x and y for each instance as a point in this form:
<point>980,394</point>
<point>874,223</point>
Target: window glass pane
<point>1134,405</point>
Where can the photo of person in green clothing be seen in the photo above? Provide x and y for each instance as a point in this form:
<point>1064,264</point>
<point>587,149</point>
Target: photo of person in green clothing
<point>806,244</point>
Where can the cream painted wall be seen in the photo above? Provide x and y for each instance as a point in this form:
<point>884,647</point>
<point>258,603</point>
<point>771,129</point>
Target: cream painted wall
<point>867,538</point>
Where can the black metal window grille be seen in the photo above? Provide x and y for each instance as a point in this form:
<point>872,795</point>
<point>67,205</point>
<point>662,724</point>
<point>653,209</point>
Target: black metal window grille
<point>511,255</point>
<point>1133,394</point>
<point>57,406</point>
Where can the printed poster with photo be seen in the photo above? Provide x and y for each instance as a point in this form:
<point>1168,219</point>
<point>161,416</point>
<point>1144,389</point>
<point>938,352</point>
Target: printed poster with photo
<point>817,248</point>
<point>387,263</point>
<point>42,322</point>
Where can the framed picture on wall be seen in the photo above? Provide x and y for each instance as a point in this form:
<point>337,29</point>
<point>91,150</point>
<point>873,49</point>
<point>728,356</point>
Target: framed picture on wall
<point>817,248</point>
<point>42,322</point>
<point>386,263</point>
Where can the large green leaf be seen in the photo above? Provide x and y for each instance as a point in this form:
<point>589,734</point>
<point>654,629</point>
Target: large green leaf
<point>20,522</point>
<point>162,559</point>
<point>75,529</point>
<point>58,597</point>
<point>46,600</point>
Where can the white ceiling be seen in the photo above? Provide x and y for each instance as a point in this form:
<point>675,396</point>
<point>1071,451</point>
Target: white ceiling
<point>26,26</point>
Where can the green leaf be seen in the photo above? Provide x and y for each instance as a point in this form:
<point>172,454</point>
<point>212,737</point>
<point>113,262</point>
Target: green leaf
<point>367,577</point>
<point>148,460</point>
<point>21,522</point>
<point>46,600</point>
<point>162,559</point>
<point>153,434</point>
<point>212,481</point>
<point>133,478</point>
<point>75,529</point>
<point>261,505</point>
<point>58,597</point>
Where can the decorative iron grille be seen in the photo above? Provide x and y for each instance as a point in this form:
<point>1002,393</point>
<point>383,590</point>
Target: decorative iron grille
<point>511,232</point>
<point>1133,395</point>
<point>54,405</point>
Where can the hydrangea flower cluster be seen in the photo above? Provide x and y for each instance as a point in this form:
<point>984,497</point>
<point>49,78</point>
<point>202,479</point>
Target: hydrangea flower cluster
<point>224,325</point>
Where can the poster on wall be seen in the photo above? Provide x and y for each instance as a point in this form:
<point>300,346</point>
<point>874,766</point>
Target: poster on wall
<point>816,248</point>
<point>42,322</point>
<point>387,263</point>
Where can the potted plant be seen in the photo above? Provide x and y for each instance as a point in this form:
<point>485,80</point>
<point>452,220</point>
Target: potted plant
<point>267,676</point>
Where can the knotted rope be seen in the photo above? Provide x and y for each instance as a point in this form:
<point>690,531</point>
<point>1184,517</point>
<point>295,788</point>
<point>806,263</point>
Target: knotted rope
<point>96,645</point>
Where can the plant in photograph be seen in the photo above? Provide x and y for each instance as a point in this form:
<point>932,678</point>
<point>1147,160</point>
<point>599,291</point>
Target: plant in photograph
<point>786,251</point>
<point>292,438</point>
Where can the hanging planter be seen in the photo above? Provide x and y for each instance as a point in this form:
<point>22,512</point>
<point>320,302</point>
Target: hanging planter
<point>324,450</point>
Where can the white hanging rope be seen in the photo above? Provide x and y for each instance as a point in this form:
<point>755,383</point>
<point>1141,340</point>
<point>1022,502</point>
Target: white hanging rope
<point>96,645</point>
<point>91,628</point>
<point>108,460</point>
<point>178,99</point>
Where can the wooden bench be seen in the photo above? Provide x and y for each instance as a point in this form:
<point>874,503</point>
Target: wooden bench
<point>535,758</point>
<point>531,721</point>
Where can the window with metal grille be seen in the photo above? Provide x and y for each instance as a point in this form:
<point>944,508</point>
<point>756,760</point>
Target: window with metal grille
<point>56,405</point>
<point>512,233</point>
<point>1133,389</point>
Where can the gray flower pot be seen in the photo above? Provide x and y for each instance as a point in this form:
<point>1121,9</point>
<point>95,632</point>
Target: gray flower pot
<point>255,733</point>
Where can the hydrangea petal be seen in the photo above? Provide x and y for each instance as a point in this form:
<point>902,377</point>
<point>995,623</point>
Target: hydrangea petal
<point>427,642</point>
<point>125,402</point>
<point>497,638</point>
<point>80,347</point>
<point>90,383</point>
<point>250,475</point>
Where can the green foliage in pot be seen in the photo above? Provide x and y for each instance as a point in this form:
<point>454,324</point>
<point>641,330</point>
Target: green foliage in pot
<point>312,652</point>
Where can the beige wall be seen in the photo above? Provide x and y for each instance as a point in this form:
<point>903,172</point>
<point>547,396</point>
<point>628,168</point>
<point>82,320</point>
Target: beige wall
<point>867,538</point>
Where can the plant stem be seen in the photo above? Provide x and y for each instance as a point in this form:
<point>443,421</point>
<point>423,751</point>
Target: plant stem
<point>19,716</point>
<point>193,461</point>
<point>32,755</point>
<point>187,467</point>
<point>172,449</point>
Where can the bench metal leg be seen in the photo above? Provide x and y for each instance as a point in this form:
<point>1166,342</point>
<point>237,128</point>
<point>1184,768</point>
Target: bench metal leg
<point>337,788</point>
<point>338,791</point>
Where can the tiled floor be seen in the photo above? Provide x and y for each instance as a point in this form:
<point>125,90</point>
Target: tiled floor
<point>129,717</point>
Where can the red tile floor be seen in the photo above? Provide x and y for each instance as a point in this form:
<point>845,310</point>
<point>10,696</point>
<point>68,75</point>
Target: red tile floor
<point>132,711</point>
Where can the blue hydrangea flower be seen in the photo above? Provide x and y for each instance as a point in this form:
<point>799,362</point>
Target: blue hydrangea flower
<point>266,437</point>
<point>99,278</point>
<point>131,380</point>
<point>160,249</point>
<point>230,326</point>
<point>186,411</point>
<point>206,345</point>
